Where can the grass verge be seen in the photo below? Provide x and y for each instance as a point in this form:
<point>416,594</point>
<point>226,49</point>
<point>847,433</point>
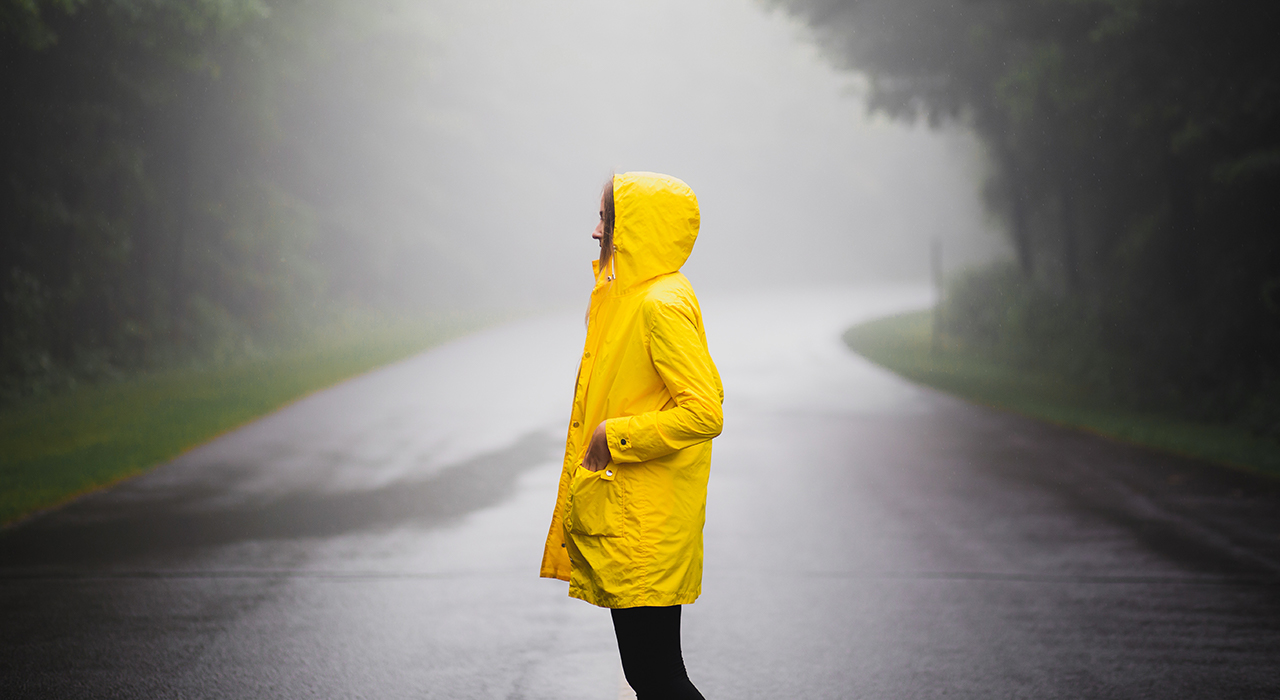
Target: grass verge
<point>904,344</point>
<point>58,448</point>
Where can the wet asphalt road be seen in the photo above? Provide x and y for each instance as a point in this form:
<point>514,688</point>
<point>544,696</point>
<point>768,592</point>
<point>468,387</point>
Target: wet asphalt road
<point>866,538</point>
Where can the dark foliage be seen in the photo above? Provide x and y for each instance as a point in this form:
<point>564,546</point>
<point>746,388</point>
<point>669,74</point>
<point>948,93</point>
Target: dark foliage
<point>1135,153</point>
<point>158,202</point>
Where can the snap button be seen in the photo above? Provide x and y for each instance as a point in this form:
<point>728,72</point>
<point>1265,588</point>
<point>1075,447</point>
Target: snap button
<point>624,442</point>
<point>588,355</point>
<point>575,424</point>
<point>608,472</point>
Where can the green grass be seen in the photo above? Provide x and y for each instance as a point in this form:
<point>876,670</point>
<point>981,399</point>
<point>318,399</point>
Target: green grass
<point>904,344</point>
<point>60,447</point>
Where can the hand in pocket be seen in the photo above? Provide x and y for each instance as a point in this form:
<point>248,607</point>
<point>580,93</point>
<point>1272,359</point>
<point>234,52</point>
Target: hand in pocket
<point>597,456</point>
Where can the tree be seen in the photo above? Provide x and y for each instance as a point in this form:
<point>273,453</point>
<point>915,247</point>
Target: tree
<point>1135,145</point>
<point>162,198</point>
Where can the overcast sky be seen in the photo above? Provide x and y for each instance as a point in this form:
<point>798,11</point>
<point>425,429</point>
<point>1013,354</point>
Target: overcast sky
<point>495,140</point>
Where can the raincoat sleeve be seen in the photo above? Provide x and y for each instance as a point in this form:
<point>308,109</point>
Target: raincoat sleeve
<point>679,353</point>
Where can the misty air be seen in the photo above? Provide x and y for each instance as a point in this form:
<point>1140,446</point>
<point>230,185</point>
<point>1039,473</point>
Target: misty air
<point>558,349</point>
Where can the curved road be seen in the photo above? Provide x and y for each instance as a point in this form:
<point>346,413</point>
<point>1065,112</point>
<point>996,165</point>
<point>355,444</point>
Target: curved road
<point>866,538</point>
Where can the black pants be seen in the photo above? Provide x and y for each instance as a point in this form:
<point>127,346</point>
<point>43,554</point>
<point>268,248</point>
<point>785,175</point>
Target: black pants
<point>649,642</point>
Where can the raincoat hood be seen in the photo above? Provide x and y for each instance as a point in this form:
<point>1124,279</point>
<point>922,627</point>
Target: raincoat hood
<point>656,222</point>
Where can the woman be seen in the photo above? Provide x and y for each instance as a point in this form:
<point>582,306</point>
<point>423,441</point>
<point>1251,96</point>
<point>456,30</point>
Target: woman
<point>627,529</point>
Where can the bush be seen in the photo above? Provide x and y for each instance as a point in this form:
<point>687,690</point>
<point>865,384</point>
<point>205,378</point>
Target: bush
<point>1183,361</point>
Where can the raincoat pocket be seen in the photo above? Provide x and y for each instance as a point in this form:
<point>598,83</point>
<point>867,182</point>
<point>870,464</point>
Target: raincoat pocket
<point>595,503</point>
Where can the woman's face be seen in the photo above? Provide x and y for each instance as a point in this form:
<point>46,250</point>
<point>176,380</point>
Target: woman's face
<point>598,234</point>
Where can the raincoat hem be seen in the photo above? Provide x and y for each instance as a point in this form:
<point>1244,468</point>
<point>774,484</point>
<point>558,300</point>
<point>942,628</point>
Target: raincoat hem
<point>651,599</point>
<point>552,573</point>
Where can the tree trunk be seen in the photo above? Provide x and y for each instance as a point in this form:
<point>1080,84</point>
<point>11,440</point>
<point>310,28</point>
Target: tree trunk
<point>1183,280</point>
<point>1070,243</point>
<point>1018,219</point>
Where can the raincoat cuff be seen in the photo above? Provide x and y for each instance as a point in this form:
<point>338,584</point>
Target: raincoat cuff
<point>617,432</point>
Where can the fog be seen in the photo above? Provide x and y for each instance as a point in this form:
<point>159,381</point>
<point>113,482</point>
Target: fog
<point>477,135</point>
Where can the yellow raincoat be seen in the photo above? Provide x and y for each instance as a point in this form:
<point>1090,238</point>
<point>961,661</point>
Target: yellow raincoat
<point>631,534</point>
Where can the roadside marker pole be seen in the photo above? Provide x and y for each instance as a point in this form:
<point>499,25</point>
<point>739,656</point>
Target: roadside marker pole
<point>935,264</point>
